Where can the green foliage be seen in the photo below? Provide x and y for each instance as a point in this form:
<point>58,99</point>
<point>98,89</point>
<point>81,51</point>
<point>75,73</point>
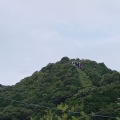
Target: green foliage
<point>65,59</point>
<point>69,89</point>
<point>117,118</point>
<point>62,115</point>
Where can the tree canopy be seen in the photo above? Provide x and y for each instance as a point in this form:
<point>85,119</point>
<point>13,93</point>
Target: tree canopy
<point>63,91</point>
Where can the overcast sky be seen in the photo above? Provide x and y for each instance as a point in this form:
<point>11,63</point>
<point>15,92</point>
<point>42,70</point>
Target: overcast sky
<point>34,33</point>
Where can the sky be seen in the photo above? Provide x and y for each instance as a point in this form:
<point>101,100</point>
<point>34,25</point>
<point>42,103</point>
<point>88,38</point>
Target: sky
<point>34,33</point>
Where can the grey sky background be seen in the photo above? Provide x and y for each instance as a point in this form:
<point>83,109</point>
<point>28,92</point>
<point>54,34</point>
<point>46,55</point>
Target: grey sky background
<point>34,33</point>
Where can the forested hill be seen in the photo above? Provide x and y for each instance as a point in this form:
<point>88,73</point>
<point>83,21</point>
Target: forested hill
<point>70,89</point>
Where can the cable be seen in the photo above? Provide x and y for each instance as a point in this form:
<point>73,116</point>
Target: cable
<point>76,112</point>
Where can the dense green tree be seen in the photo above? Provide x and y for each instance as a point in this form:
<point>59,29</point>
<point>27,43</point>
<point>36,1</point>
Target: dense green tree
<point>61,91</point>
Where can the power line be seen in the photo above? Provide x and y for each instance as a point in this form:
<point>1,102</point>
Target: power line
<point>62,111</point>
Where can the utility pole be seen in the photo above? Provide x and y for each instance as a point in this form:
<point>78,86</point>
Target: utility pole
<point>118,109</point>
<point>118,105</point>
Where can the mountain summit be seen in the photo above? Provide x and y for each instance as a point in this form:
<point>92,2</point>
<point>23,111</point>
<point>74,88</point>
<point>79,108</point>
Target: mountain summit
<point>73,85</point>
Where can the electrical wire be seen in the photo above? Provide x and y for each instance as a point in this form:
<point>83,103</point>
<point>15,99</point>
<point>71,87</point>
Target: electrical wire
<point>63,111</point>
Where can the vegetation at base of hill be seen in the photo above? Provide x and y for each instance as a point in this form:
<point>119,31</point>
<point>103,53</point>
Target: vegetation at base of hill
<point>63,91</point>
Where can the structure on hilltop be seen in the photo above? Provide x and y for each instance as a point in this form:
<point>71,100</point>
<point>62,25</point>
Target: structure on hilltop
<point>77,64</point>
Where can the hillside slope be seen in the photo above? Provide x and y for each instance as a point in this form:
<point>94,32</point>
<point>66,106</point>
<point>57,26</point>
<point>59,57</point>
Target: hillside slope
<point>81,85</point>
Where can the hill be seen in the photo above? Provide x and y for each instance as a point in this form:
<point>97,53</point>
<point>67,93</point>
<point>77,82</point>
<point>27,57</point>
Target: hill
<point>70,89</point>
